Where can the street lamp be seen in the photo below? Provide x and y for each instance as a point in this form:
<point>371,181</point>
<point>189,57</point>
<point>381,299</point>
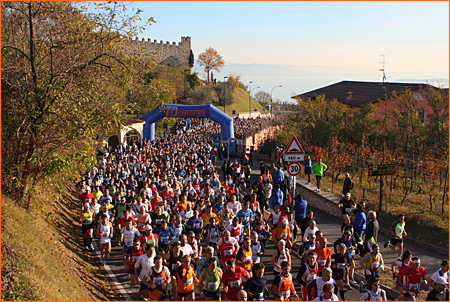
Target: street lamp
<point>271,100</point>
<point>185,92</point>
<point>249,98</point>
<point>224,103</point>
<point>251,94</point>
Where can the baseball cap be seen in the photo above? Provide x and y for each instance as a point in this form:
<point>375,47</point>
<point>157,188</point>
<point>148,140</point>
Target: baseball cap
<point>348,194</point>
<point>347,233</point>
<point>441,280</point>
<point>375,246</point>
<point>148,227</point>
<point>284,221</point>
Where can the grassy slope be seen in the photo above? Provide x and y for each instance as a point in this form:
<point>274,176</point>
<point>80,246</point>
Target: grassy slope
<point>48,257</point>
<point>240,103</point>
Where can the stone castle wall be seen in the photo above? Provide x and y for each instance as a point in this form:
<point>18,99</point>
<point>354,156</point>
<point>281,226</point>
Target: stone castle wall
<point>165,53</point>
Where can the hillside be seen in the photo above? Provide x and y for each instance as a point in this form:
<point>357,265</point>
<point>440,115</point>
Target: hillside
<point>42,248</point>
<point>240,103</point>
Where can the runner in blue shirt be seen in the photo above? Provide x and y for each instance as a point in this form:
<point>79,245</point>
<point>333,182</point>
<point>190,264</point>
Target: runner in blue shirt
<point>247,216</point>
<point>195,224</point>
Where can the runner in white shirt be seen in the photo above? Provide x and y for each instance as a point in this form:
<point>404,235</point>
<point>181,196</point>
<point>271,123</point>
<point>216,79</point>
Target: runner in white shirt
<point>234,205</point>
<point>145,261</point>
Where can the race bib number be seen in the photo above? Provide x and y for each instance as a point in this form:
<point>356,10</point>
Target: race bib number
<point>104,235</point>
<point>340,265</point>
<point>196,225</point>
<point>322,262</point>
<point>213,285</point>
<point>134,259</point>
<point>311,277</point>
<point>283,236</point>
<point>247,258</point>
<point>88,221</point>
<point>164,239</point>
<point>141,225</point>
<point>235,284</point>
<point>375,265</point>
<point>174,266</point>
<point>348,210</point>
<point>260,237</point>
<point>286,294</point>
<point>228,253</point>
<point>188,282</point>
<point>177,232</point>
<point>414,286</point>
<point>258,297</point>
<point>158,280</point>
<point>128,243</point>
<point>158,221</point>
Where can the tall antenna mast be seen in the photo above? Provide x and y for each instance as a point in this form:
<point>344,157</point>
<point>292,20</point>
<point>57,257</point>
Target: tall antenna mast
<point>384,75</point>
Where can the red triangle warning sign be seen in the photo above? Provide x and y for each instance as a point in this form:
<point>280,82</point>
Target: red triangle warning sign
<point>294,147</point>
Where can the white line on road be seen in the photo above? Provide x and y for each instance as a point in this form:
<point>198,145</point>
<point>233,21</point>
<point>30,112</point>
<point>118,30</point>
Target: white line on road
<point>111,275</point>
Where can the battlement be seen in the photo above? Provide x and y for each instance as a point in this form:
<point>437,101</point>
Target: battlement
<point>174,54</point>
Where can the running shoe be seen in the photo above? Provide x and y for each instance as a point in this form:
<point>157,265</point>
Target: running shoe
<point>119,243</point>
<point>87,247</point>
<point>92,247</point>
<point>353,282</point>
<point>387,243</point>
<point>361,286</point>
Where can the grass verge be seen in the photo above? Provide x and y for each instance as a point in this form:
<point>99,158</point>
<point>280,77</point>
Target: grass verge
<point>42,254</point>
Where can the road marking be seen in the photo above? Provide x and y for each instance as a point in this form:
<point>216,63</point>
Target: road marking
<point>111,275</point>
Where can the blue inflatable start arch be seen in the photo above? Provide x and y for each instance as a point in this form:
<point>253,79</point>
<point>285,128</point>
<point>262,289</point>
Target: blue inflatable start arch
<point>189,111</point>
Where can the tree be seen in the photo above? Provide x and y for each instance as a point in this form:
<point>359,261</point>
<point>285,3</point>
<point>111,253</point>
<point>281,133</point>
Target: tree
<point>201,96</point>
<point>224,93</point>
<point>64,76</point>
<point>191,59</point>
<point>211,60</point>
<point>262,97</point>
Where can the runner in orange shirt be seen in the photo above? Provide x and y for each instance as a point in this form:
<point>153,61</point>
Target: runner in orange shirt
<point>185,279</point>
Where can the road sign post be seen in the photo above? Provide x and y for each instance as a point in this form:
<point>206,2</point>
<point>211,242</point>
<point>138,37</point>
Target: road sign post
<point>381,170</point>
<point>294,151</point>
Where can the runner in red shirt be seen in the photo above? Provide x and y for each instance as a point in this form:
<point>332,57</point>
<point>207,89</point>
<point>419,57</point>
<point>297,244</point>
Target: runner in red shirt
<point>232,280</point>
<point>409,279</point>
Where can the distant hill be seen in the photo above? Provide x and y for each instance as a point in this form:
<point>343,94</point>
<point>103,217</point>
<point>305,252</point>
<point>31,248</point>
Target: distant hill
<point>240,103</point>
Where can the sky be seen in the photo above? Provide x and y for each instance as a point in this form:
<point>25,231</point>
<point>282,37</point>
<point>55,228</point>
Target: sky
<point>307,45</point>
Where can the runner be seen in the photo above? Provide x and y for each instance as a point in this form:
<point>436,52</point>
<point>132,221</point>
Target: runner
<point>232,280</point>
<point>328,294</point>
<point>375,293</point>
<point>155,281</point>
<point>409,280</point>
<point>185,279</point>
<point>104,232</point>
<point>244,256</point>
<point>256,285</point>
<point>210,280</point>
<point>87,226</point>
<point>318,284</point>
<point>280,255</point>
<point>341,261</point>
<point>132,255</point>
<point>229,247</point>
<point>307,273</point>
<point>397,231</point>
<point>283,232</point>
<point>440,291</point>
<point>283,283</point>
<point>174,259</point>
<point>148,237</point>
<point>371,263</point>
<point>128,234</point>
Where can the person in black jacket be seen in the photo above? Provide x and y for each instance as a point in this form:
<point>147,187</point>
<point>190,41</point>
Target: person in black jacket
<point>348,184</point>
<point>372,229</point>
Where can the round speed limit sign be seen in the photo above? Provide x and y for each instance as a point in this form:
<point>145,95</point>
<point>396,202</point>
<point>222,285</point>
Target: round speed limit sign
<point>294,168</point>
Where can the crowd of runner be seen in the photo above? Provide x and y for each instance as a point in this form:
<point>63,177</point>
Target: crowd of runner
<point>183,226</point>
